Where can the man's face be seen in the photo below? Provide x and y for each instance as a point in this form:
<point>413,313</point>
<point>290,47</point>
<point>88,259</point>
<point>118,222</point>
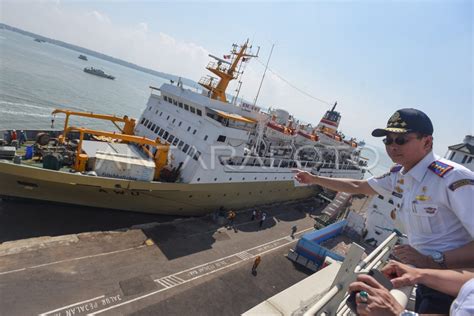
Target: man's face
<point>407,149</point>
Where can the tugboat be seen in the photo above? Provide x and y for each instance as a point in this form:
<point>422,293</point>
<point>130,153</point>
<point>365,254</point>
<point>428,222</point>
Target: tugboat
<point>189,153</point>
<point>98,72</point>
<point>83,57</point>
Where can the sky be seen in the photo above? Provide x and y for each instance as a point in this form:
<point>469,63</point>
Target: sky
<point>372,57</point>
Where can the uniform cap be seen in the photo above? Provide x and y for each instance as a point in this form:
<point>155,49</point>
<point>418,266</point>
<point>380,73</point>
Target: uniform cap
<point>406,121</point>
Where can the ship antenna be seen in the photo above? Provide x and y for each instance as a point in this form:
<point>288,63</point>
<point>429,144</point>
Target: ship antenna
<point>263,77</point>
<point>334,107</point>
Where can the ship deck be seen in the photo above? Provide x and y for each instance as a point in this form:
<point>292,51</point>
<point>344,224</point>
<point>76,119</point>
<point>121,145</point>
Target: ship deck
<point>108,262</point>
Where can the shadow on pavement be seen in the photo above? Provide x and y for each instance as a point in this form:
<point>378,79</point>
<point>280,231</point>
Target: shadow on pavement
<point>20,219</point>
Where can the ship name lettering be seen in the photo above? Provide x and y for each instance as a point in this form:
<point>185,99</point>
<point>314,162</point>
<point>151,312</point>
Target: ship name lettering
<point>81,309</point>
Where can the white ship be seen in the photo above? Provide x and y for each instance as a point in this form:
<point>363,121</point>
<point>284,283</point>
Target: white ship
<point>190,153</point>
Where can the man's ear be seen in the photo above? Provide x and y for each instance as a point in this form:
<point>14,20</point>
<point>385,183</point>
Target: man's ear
<point>429,142</point>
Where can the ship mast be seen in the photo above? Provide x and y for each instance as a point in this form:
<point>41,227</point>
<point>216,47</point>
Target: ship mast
<point>226,71</point>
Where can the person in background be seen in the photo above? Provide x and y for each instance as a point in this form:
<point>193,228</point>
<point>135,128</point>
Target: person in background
<point>377,300</point>
<point>434,198</point>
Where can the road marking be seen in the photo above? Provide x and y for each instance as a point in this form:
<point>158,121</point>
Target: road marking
<point>244,255</point>
<point>265,250</point>
<point>72,259</point>
<point>78,303</point>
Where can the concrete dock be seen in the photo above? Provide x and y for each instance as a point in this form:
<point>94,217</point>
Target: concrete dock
<point>117,263</point>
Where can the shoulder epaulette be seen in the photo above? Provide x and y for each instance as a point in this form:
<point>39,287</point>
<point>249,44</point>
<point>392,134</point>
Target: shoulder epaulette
<point>440,168</point>
<point>396,168</point>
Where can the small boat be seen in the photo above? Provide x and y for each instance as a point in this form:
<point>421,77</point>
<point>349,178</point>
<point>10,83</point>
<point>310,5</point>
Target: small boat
<point>83,57</point>
<point>98,72</point>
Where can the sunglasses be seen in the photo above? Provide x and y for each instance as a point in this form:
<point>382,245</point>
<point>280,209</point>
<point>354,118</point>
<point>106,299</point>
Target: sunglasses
<point>400,140</point>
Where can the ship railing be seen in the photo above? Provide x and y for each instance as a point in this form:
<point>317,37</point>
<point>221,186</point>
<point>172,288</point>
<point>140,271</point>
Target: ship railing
<point>333,302</point>
<point>218,66</point>
<point>208,81</point>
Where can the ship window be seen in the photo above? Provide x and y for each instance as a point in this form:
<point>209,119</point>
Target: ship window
<point>170,139</point>
<point>185,148</point>
<point>180,104</point>
<point>176,140</point>
<point>165,135</point>
<point>230,179</point>
<point>180,123</point>
<point>193,110</point>
<point>215,179</point>
<point>153,127</point>
<point>165,98</point>
<point>194,133</point>
<point>143,120</point>
<point>469,160</point>
<point>157,129</point>
<point>189,128</point>
<point>175,102</point>
<point>452,155</point>
<point>197,155</point>
<point>168,117</point>
<point>381,197</point>
<point>464,159</point>
<point>191,151</point>
<point>174,120</point>
<point>170,100</point>
<point>186,107</point>
<point>221,138</point>
<point>161,132</point>
<point>161,113</point>
<point>198,112</point>
<point>205,137</point>
<point>156,112</point>
<point>149,109</point>
<point>180,145</point>
<point>198,179</point>
<point>149,124</point>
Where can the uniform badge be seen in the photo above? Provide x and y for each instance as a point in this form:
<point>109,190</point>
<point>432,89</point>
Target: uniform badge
<point>430,210</point>
<point>401,181</point>
<point>422,198</point>
<point>398,189</point>
<point>457,184</point>
<point>396,194</point>
<point>393,214</point>
<point>440,168</point>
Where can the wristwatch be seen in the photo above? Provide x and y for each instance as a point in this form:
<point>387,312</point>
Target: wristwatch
<point>438,257</point>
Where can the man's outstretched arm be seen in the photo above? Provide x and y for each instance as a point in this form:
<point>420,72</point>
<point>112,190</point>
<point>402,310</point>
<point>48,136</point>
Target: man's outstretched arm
<point>335,184</point>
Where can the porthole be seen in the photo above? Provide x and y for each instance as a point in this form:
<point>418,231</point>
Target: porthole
<point>198,179</point>
<point>255,178</point>
<point>230,179</point>
<point>215,179</point>
<point>265,178</point>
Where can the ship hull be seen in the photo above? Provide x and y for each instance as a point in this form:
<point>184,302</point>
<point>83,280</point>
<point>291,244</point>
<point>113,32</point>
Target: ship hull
<point>24,181</point>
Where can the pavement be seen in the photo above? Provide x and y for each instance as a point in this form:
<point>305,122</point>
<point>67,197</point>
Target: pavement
<point>134,265</point>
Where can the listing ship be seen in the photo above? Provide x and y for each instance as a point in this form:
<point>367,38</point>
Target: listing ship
<point>189,153</point>
<point>83,57</point>
<point>98,72</point>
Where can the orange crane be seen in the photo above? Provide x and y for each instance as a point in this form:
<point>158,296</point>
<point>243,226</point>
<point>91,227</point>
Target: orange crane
<point>128,127</point>
<point>160,157</point>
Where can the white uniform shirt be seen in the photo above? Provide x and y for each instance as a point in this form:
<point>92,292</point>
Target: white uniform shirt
<point>463,305</point>
<point>436,212</point>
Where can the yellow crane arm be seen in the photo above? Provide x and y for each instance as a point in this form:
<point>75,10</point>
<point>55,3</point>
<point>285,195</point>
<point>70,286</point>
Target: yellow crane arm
<point>129,123</point>
<point>160,157</point>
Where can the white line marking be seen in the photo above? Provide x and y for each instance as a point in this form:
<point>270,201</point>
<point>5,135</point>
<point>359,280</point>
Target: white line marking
<point>162,283</point>
<point>199,276</point>
<point>73,259</point>
<point>78,303</point>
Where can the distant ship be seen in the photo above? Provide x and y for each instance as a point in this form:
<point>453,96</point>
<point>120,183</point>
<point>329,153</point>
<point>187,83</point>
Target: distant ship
<point>98,72</point>
<point>83,57</point>
<point>39,40</point>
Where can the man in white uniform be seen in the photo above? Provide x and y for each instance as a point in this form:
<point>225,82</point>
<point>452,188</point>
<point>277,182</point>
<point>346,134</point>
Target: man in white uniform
<point>434,199</point>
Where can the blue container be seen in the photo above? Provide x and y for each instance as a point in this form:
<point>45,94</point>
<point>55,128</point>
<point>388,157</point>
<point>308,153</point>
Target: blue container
<point>29,152</point>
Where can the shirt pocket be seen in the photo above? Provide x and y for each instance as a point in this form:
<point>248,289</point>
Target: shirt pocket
<point>426,217</point>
